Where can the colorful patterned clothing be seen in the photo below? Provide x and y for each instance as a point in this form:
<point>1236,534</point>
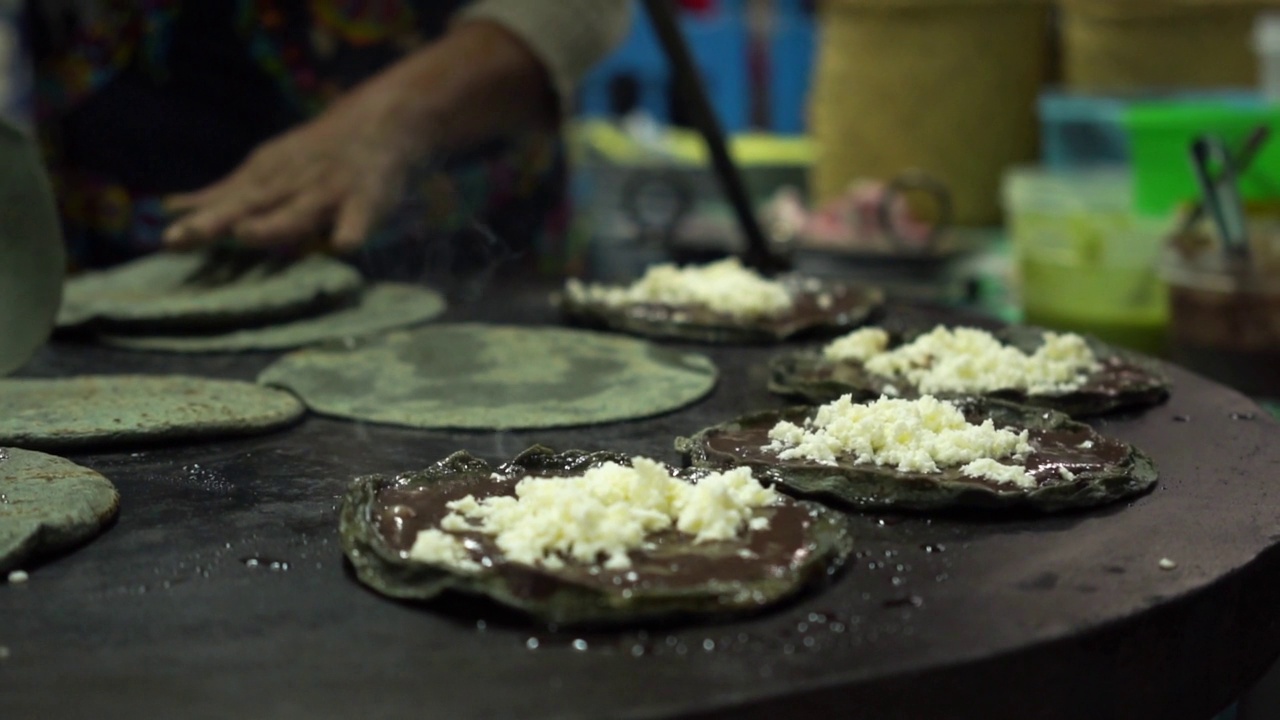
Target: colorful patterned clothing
<point>136,99</point>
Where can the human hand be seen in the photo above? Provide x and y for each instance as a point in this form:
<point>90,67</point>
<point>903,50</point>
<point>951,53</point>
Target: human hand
<point>333,178</point>
<point>328,181</point>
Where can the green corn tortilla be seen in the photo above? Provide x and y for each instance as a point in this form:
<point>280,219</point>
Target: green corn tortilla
<point>471,376</point>
<point>48,505</point>
<point>846,308</point>
<point>381,307</point>
<point>108,410</point>
<point>725,585</point>
<point>213,289</point>
<point>1125,380</point>
<point>1124,472</point>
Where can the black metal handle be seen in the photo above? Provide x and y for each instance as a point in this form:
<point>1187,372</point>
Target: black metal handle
<point>759,254</point>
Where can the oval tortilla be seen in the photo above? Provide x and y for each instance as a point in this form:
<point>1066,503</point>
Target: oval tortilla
<point>870,487</point>
<point>470,376</point>
<point>1126,380</point>
<point>382,307</point>
<point>100,410</point>
<point>852,306</point>
<point>719,591</point>
<point>48,505</point>
<point>206,290</point>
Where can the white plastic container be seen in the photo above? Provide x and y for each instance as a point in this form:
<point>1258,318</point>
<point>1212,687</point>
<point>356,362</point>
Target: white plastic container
<point>1266,43</point>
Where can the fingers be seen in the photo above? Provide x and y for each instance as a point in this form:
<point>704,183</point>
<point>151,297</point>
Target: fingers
<point>290,192</point>
<point>206,223</point>
<point>256,185</point>
<point>302,217</point>
<point>183,202</point>
<point>356,218</point>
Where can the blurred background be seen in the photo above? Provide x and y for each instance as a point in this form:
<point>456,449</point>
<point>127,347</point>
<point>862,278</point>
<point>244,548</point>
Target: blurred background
<point>1109,167</point>
<point>1032,159</point>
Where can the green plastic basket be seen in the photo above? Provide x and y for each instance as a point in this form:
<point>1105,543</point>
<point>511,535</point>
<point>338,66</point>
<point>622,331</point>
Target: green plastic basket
<point>1160,136</point>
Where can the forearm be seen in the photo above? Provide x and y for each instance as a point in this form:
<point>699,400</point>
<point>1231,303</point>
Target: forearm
<point>476,84</point>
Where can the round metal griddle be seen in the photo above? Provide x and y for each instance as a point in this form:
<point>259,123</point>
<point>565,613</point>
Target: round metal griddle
<point>178,612</point>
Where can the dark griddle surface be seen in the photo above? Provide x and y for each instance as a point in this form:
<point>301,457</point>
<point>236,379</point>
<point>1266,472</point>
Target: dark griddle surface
<point>1066,617</point>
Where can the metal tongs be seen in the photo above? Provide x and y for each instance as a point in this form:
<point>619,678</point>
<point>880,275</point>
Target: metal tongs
<point>1222,193</point>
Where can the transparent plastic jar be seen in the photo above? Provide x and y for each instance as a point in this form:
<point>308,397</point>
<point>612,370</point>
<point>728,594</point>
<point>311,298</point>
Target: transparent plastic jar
<point>1086,263</point>
<point>1225,318</point>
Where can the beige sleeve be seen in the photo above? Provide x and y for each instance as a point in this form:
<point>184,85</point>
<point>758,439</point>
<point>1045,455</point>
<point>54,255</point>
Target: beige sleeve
<point>568,36</point>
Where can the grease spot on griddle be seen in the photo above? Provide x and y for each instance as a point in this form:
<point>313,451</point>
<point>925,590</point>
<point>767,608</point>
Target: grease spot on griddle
<point>264,563</point>
<point>1182,418</point>
<point>914,601</point>
<point>1043,581</point>
<point>1243,416</point>
<point>1114,569</point>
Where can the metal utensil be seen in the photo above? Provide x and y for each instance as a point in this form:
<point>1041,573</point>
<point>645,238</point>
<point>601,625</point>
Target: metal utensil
<point>759,254</point>
<point>1221,194</point>
<point>1243,160</point>
<point>921,182</point>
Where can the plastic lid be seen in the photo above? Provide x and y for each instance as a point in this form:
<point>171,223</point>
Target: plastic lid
<point>1102,188</point>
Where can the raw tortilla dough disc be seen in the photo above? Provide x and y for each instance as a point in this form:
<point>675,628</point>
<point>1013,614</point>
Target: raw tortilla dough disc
<point>198,290</point>
<point>118,409</point>
<point>48,504</point>
<point>471,376</point>
<point>382,307</point>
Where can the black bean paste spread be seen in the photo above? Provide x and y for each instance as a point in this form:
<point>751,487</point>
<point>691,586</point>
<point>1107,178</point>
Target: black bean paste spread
<point>1078,451</point>
<point>670,561</point>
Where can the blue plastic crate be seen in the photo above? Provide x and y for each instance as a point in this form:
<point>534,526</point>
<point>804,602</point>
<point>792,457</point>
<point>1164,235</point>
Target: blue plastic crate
<point>640,60</point>
<point>791,49</point>
<point>719,42</point>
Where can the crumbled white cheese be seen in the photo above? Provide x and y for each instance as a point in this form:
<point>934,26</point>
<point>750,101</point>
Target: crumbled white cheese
<point>1066,474</point>
<point>860,345</point>
<point>440,548</point>
<point>1167,564</point>
<point>1087,444</point>
<point>998,472</point>
<point>724,287</point>
<point>607,511</point>
<point>891,390</point>
<point>968,360</point>
<point>910,435</point>
<point>17,577</point>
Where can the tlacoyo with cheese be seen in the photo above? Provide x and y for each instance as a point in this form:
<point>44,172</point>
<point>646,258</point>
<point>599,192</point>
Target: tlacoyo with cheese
<point>927,454</point>
<point>580,538</point>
